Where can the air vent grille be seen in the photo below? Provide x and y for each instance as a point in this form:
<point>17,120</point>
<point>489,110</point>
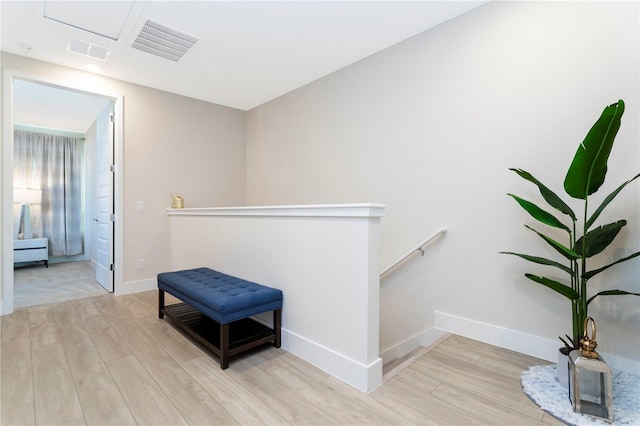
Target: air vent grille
<point>88,49</point>
<point>162,41</point>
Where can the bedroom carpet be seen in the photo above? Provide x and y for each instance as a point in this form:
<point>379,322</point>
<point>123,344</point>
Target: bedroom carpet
<point>36,285</point>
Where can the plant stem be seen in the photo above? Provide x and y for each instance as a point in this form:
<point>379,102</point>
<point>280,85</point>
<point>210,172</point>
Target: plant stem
<point>583,281</point>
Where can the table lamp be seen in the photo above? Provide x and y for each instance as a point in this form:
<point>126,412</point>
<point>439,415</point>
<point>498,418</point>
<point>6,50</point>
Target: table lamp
<point>26,197</point>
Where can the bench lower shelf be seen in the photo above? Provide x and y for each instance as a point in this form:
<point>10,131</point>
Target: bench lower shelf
<point>241,335</point>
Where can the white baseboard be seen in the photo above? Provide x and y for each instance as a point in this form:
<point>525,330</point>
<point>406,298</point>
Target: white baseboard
<point>362,377</point>
<point>136,286</point>
<point>514,340</point>
<point>426,338</point>
<point>528,344</point>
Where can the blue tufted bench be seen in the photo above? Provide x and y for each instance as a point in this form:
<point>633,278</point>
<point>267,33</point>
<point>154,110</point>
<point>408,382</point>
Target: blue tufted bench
<point>217,308</point>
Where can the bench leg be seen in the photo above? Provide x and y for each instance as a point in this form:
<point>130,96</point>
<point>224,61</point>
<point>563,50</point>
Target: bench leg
<point>224,346</point>
<point>160,303</point>
<point>277,324</point>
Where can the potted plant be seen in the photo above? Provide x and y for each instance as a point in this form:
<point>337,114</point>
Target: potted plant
<point>584,240</point>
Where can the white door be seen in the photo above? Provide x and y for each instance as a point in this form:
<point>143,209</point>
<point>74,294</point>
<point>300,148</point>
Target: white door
<point>104,202</point>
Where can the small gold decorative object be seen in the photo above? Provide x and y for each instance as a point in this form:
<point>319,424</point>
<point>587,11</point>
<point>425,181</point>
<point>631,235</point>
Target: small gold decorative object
<point>588,344</point>
<point>590,378</point>
<point>178,202</point>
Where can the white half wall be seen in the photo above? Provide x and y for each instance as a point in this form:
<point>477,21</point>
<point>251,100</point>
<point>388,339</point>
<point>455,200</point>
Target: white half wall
<point>325,259</point>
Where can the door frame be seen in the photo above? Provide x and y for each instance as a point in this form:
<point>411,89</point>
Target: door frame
<point>6,171</point>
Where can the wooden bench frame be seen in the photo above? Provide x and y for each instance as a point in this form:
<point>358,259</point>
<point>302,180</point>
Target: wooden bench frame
<point>224,340</point>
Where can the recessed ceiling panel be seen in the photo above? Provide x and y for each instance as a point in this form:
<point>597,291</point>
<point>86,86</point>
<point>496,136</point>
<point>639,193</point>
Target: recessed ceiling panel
<point>104,18</point>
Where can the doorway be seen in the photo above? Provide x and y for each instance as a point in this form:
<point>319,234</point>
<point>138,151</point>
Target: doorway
<point>113,128</point>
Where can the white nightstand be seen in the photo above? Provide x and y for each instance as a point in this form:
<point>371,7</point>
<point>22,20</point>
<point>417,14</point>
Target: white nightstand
<point>31,250</point>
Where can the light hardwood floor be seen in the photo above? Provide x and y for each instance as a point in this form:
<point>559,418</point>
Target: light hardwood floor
<point>110,360</point>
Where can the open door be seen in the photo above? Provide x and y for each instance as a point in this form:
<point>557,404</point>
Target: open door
<point>105,212</point>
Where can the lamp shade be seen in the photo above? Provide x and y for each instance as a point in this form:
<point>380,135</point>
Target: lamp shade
<point>27,196</point>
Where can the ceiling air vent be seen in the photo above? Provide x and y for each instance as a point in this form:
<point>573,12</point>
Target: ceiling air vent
<point>88,49</point>
<point>161,41</point>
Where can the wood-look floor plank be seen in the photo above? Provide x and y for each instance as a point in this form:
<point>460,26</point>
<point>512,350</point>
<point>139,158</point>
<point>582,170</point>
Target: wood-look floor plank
<point>311,384</point>
<point>15,326</point>
<point>108,307</point>
<point>42,327</point>
<point>101,400</point>
<point>135,337</point>
<point>135,307</point>
<point>313,391</point>
<point>436,364</point>
<point>435,410</point>
<point>87,308</point>
<point>23,416</point>
<point>252,370</point>
<point>485,407</point>
<point>105,338</point>
<point>16,374</point>
<point>56,400</point>
<point>195,404</point>
<point>502,389</point>
<point>386,395</point>
<point>174,342</point>
<point>244,406</point>
<point>370,410</point>
<point>78,346</point>
<point>147,402</point>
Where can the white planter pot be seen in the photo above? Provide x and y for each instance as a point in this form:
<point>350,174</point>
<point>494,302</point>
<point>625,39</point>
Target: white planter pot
<point>562,369</point>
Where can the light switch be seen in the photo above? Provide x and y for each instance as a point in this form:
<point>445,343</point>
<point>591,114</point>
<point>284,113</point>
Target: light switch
<point>140,206</point>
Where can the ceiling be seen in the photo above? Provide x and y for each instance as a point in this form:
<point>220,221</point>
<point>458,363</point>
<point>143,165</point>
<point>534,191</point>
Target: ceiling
<point>247,52</point>
<point>53,108</point>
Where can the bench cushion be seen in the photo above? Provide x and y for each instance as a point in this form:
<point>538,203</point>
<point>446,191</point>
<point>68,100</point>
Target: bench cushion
<point>221,297</point>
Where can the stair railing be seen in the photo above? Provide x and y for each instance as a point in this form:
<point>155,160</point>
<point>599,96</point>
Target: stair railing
<point>418,249</point>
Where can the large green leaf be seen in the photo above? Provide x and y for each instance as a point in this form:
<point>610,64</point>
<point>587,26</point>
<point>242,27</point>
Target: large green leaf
<point>607,200</point>
<point>540,260</point>
<point>590,274</point>
<point>539,214</point>
<point>565,251</point>
<point>589,167</point>
<point>612,293</point>
<point>599,238</point>
<point>563,289</point>
<point>548,195</point>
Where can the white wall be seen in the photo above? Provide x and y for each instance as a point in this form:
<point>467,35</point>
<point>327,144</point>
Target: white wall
<point>430,127</point>
<point>172,144</point>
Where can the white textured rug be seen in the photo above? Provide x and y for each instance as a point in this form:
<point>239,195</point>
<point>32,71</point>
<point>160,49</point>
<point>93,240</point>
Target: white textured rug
<point>60,282</point>
<point>539,383</point>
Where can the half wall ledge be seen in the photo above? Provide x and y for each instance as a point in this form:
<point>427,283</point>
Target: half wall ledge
<point>310,210</point>
<point>324,257</point>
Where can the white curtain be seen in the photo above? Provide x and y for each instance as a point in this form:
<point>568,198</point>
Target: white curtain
<point>54,165</point>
